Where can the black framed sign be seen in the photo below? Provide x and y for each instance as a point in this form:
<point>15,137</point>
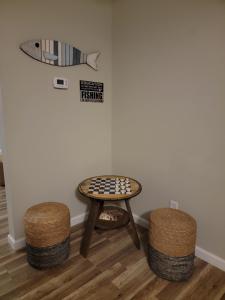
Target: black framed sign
<point>91,91</point>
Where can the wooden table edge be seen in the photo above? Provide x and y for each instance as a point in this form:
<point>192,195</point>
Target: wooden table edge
<point>123,196</point>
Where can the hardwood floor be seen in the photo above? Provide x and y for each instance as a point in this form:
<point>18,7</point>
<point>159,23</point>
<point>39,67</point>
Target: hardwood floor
<point>114,269</point>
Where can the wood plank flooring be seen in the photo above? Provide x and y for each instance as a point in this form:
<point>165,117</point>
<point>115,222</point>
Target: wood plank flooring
<point>114,269</point>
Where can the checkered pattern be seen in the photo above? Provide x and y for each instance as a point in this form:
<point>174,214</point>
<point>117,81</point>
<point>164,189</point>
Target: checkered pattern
<point>107,186</point>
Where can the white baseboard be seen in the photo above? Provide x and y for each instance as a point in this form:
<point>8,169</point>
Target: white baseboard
<point>210,258</point>
<point>199,252</point>
<point>16,244</point>
<point>78,219</point>
<point>140,221</point>
<point>20,243</point>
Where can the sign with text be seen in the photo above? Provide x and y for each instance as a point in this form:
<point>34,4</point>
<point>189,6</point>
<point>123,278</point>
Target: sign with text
<point>91,91</point>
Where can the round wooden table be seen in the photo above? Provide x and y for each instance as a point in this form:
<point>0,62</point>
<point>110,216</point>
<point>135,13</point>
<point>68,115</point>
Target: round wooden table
<point>102,189</point>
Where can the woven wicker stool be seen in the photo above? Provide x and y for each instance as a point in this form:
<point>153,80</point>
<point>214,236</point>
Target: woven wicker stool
<point>47,229</point>
<point>172,238</point>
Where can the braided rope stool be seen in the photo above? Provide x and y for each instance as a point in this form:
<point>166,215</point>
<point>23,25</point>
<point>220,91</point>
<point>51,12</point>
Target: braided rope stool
<point>47,229</point>
<point>172,237</point>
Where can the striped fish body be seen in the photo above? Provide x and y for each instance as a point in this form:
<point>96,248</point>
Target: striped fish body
<point>58,53</point>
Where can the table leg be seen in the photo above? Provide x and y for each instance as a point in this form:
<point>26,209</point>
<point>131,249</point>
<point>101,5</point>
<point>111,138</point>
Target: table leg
<point>134,230</point>
<point>93,214</point>
<point>101,207</point>
<point>100,210</point>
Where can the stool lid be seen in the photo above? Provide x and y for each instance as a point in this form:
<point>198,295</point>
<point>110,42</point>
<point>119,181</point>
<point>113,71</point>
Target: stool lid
<point>172,232</point>
<point>47,224</point>
<point>46,211</point>
<point>172,218</point>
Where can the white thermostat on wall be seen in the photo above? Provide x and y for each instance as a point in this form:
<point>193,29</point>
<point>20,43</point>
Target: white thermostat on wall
<point>60,83</point>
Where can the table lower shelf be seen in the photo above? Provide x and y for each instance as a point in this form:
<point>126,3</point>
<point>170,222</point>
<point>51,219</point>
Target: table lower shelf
<point>112,217</point>
<point>116,217</point>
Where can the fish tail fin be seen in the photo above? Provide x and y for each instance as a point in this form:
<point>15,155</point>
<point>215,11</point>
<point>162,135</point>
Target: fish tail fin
<point>92,60</point>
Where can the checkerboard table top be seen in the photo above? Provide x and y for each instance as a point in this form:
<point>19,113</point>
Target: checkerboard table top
<point>110,187</point>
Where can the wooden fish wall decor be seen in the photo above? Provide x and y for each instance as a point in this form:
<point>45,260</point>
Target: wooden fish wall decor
<point>59,54</point>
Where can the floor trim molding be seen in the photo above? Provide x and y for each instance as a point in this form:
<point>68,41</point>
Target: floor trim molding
<point>140,221</point>
<point>20,243</point>
<point>210,258</point>
<point>78,219</point>
<point>205,255</point>
<point>16,244</point>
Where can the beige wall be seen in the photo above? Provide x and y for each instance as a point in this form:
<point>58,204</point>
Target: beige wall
<point>53,140</point>
<point>169,107</point>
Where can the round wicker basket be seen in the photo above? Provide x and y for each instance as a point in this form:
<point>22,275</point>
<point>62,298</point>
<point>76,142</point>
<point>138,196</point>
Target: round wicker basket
<point>172,237</point>
<point>119,218</point>
<point>47,229</point>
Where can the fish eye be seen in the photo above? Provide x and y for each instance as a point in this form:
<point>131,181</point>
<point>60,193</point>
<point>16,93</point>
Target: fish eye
<point>37,45</point>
